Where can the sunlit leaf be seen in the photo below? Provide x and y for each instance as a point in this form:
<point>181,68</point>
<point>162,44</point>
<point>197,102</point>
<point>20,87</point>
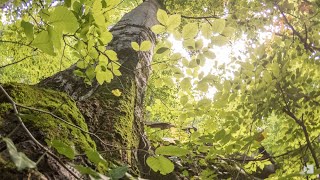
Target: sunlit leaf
<point>190,30</point>
<point>116,92</point>
<point>160,163</point>
<point>44,43</point>
<point>174,21</point>
<point>162,16</point>
<point>135,46</point>
<point>158,29</point>
<point>28,29</point>
<point>171,151</point>
<point>112,55</point>
<point>63,20</point>
<point>218,25</point>
<point>145,46</point>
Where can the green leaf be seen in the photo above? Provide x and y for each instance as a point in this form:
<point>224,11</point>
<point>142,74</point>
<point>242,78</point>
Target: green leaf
<point>203,86</point>
<point>160,163</point>
<point>145,46</point>
<point>116,92</point>
<point>162,50</point>
<point>162,17</point>
<point>171,151</point>
<point>95,157</point>
<point>63,148</point>
<point>206,30</point>
<point>219,40</point>
<point>112,55</point>
<point>19,159</point>
<point>99,19</point>
<point>204,103</point>
<point>55,37</point>
<point>44,43</point>
<point>103,59</point>
<point>135,46</point>
<point>157,29</point>
<point>82,64</point>
<point>174,21</point>
<point>168,81</point>
<point>229,32</point>
<point>86,170</point>
<point>90,73</point>
<point>106,37</point>
<point>103,76</point>
<point>118,172</point>
<point>220,134</point>
<point>79,73</point>
<point>28,29</point>
<point>186,84</point>
<point>190,30</point>
<point>184,99</point>
<point>218,25</point>
<point>63,20</point>
<point>209,54</point>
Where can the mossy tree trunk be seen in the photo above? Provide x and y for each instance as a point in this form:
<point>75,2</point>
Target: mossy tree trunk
<point>118,121</point>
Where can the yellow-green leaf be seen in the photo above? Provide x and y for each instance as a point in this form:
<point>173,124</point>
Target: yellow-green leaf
<point>206,30</point>
<point>106,37</point>
<point>135,46</point>
<point>28,29</point>
<point>171,151</point>
<point>219,40</point>
<point>116,92</point>
<point>218,25</point>
<point>174,21</point>
<point>229,32</point>
<point>145,46</point>
<point>190,30</point>
<point>162,17</point>
<point>44,43</point>
<point>157,29</point>
<point>160,163</point>
<point>112,55</point>
<point>63,20</point>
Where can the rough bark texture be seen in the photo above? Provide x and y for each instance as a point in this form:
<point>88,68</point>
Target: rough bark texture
<point>118,121</point>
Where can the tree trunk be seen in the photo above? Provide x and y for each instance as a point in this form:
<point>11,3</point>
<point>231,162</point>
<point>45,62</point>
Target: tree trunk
<point>118,121</point>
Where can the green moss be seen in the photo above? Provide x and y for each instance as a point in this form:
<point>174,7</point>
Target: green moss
<point>49,127</point>
<point>4,107</point>
<point>120,116</point>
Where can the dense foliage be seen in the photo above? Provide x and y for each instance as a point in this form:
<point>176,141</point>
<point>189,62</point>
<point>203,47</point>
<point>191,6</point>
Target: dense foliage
<point>234,90</point>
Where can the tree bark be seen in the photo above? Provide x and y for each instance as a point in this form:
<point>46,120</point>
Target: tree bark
<point>118,121</point>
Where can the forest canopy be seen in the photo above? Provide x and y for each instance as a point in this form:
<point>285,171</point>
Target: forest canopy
<point>223,89</point>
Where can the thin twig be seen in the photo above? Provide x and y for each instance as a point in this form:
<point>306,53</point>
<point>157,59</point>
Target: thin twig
<point>16,62</point>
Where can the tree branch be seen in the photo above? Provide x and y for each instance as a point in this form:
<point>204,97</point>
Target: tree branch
<point>300,122</point>
<point>307,46</point>
<point>15,62</point>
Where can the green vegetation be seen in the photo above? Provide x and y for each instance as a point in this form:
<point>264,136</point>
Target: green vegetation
<point>233,92</point>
